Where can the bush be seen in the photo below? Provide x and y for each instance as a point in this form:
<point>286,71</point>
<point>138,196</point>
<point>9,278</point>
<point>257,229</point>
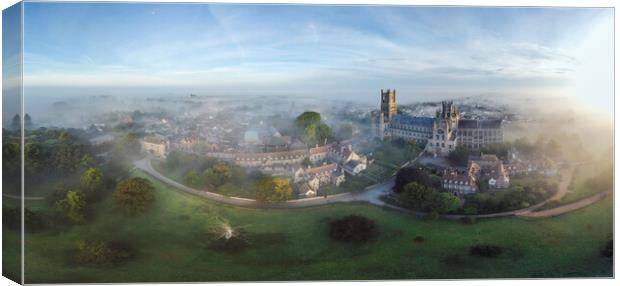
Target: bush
<point>352,228</point>
<point>32,220</point>
<point>134,195</point>
<point>99,252</point>
<point>485,250</point>
<point>419,239</point>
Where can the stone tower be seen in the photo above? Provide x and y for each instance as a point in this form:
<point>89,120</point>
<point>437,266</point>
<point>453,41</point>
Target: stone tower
<point>445,126</point>
<point>388,103</point>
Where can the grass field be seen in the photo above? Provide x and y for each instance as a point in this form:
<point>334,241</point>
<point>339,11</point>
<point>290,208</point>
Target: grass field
<point>579,188</point>
<point>173,245</point>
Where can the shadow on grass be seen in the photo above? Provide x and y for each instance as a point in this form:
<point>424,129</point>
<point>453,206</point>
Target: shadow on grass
<point>245,241</point>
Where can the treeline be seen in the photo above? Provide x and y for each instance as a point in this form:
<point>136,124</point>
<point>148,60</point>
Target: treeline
<point>521,194</point>
<point>417,188</point>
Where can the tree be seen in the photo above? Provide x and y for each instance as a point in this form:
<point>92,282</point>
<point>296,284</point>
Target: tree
<point>310,135</point>
<point>413,174</point>
<point>306,119</point>
<point>417,196</point>
<point>192,179</point>
<point>66,157</point>
<point>73,207</point>
<point>91,182</point>
<point>218,175</point>
<point>311,129</point>
<point>352,228</point>
<point>33,157</point>
<point>87,161</point>
<point>323,133</point>
<point>272,189</point>
<point>443,202</point>
<point>173,159</point>
<point>134,196</point>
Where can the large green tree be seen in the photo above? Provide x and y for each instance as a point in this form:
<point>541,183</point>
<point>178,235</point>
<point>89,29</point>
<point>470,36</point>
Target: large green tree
<point>72,207</point>
<point>91,182</point>
<point>306,119</point>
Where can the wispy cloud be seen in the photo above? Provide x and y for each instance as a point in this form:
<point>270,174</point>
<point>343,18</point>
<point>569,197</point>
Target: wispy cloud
<point>303,47</point>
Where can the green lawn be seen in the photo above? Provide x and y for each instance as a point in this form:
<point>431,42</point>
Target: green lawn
<point>579,188</point>
<point>173,245</point>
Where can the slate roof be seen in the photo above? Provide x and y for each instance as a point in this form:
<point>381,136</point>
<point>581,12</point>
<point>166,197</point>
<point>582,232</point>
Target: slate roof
<point>413,120</point>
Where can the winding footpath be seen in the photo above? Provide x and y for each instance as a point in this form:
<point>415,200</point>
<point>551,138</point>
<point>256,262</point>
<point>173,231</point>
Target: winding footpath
<point>373,194</point>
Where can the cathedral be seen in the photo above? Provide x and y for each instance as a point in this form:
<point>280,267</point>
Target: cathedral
<point>441,134</point>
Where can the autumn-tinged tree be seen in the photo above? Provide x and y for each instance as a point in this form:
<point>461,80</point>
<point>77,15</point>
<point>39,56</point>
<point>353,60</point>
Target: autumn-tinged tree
<point>273,189</point>
<point>134,196</point>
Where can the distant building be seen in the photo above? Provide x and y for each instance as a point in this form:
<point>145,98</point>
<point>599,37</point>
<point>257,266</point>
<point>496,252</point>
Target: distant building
<point>523,164</point>
<point>156,145</point>
<point>441,134</point>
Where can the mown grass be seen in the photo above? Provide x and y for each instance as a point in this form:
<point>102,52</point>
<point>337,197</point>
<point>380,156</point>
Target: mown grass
<point>173,244</point>
<point>579,187</point>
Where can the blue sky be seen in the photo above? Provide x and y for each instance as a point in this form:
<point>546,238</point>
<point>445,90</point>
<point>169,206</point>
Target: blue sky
<point>347,51</point>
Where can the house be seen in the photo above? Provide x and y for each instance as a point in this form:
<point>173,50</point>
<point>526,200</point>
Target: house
<point>519,163</point>
<point>306,191</point>
<point>312,179</point>
<point>338,177</point>
<point>489,168</point>
<point>354,167</point>
<point>459,183</point>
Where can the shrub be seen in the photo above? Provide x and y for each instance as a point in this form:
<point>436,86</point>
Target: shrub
<point>97,252</point>
<point>485,250</point>
<point>134,195</point>
<point>32,220</point>
<point>419,239</point>
<point>352,228</point>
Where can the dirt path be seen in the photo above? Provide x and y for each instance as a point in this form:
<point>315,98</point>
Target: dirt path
<point>567,208</point>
